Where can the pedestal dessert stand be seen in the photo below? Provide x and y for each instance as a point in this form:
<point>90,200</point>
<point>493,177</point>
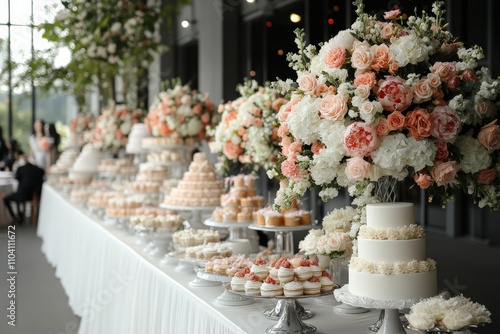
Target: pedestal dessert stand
<point>237,230</point>
<point>390,324</point>
<point>195,213</point>
<point>289,321</point>
<point>226,298</point>
<point>284,247</point>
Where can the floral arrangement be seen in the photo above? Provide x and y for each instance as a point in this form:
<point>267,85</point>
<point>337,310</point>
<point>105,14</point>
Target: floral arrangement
<point>81,123</point>
<point>113,126</point>
<point>337,237</point>
<point>396,98</point>
<point>180,113</point>
<point>247,133</point>
<point>454,314</point>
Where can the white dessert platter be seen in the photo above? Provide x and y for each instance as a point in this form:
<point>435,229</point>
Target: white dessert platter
<point>391,323</point>
<point>289,320</point>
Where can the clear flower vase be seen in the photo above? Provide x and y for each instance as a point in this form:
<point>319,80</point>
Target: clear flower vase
<point>339,267</point>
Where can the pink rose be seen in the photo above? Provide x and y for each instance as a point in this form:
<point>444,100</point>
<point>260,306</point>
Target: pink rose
<point>423,91</point>
<point>387,30</point>
<point>444,172</point>
<point>393,94</point>
<point>442,150</point>
<point>469,75</point>
<point>357,169</point>
<point>361,58</point>
<point>424,181</point>
<point>290,169</point>
<point>245,159</point>
<point>380,56</point>
<point>307,82</point>
<point>489,136</point>
<point>382,127</point>
<point>360,139</point>
<point>287,108</point>
<point>446,71</point>
<point>367,78</point>
<point>231,150</point>
<point>316,147</point>
<point>434,80</point>
<point>333,107</point>
<point>486,176</point>
<point>445,123</point>
<point>419,123</point>
<point>335,57</point>
<point>278,103</point>
<point>392,14</point>
<point>395,120</point>
<point>186,100</point>
<point>482,107</point>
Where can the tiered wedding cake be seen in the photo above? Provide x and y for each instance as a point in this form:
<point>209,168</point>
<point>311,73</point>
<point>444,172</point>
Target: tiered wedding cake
<point>86,164</point>
<point>137,134</point>
<point>391,262</point>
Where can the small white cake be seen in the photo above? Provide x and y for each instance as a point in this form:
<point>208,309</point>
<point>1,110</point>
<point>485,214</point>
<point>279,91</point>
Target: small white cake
<point>137,134</point>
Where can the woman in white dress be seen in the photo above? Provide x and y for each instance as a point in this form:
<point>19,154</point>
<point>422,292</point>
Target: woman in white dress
<point>39,146</point>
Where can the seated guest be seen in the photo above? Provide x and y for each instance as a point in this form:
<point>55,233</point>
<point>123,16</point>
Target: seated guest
<point>30,179</point>
<point>10,157</point>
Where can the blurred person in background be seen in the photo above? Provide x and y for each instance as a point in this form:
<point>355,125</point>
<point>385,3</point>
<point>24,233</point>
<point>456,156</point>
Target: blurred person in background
<point>39,146</point>
<point>10,157</point>
<point>3,149</point>
<point>55,140</point>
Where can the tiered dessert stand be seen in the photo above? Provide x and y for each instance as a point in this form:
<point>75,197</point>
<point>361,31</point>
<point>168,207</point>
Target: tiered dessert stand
<point>284,247</point>
<point>390,323</point>
<point>237,230</point>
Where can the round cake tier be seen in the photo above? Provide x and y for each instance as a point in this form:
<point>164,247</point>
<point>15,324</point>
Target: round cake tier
<point>387,215</point>
<point>391,250</point>
<point>393,287</point>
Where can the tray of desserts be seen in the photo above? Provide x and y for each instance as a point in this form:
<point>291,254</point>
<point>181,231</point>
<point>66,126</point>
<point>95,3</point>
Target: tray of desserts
<point>228,288</point>
<point>201,273</point>
<point>228,224</point>
<point>268,228</point>
<point>186,208</point>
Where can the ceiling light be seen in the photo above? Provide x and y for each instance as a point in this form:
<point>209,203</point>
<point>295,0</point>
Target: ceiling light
<point>295,18</point>
<point>185,23</point>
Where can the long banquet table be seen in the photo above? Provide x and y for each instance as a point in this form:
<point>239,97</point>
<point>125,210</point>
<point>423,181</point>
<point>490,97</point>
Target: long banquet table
<point>116,288</point>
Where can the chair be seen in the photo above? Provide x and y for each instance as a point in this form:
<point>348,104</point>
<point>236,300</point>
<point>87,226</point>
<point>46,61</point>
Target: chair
<point>35,207</point>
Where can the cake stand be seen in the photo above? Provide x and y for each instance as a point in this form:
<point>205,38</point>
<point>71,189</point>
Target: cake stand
<point>196,213</point>
<point>284,247</point>
<point>289,320</point>
<point>237,230</point>
<point>437,330</point>
<point>390,324</point>
<point>226,298</point>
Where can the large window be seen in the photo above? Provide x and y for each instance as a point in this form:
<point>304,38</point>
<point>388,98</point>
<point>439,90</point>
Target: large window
<point>21,103</point>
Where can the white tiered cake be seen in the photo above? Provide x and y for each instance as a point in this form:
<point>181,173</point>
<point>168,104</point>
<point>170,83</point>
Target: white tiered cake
<point>135,138</point>
<point>391,262</point>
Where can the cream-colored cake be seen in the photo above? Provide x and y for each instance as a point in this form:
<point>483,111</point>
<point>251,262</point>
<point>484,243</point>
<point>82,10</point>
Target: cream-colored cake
<point>391,262</point>
<point>199,186</point>
<point>85,165</point>
<point>152,173</point>
<point>135,138</point>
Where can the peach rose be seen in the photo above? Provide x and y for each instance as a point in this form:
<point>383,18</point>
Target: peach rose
<point>287,108</point>
<point>165,131</point>
<point>395,120</point>
<point>382,127</point>
<point>361,58</point>
<point>360,139</point>
<point>294,149</point>
<point>231,150</point>
<point>393,66</point>
<point>333,107</point>
<point>482,106</point>
<point>290,169</point>
<point>469,75</point>
<point>307,82</point>
<point>321,89</point>
<point>445,123</point>
<point>434,80</point>
<point>393,94</point>
<point>419,123</point>
<point>387,30</point>
<point>489,136</point>
<point>444,172</point>
<point>366,78</point>
<point>380,57</point>
<point>278,103</point>
<point>316,147</point>
<point>424,181</point>
<point>357,169</point>
<point>335,57</point>
<point>442,150</point>
<point>486,176</point>
<point>363,91</point>
<point>423,91</point>
<point>392,14</point>
<point>445,70</point>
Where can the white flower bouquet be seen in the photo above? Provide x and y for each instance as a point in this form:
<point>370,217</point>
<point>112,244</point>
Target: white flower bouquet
<point>394,98</point>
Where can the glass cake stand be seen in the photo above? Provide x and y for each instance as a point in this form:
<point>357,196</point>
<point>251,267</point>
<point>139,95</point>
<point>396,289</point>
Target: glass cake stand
<point>237,230</point>
<point>391,323</point>
<point>196,213</point>
<point>289,320</point>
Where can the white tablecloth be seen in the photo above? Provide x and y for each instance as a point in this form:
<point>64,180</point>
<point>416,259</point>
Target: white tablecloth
<point>117,289</point>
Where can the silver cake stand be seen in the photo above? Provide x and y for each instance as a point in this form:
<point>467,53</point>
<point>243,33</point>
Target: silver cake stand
<point>196,213</point>
<point>288,320</point>
<point>390,324</point>
<point>237,230</point>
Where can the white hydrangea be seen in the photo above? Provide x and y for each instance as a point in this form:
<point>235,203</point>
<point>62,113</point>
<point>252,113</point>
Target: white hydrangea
<point>409,49</point>
<point>305,120</point>
<point>325,166</point>
<point>474,156</point>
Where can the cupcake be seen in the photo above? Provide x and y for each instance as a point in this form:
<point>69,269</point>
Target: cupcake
<point>305,217</point>
<point>312,286</point>
<point>326,282</point>
<point>295,261</point>
<point>315,268</point>
<point>271,288</point>
<point>238,281</point>
<point>304,270</point>
<point>273,218</point>
<point>292,218</point>
<point>252,286</point>
<point>259,268</point>
<point>285,272</point>
<point>293,288</point>
<point>243,217</point>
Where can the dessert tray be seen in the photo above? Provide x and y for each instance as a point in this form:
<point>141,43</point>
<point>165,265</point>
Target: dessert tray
<point>289,319</point>
<point>268,228</point>
<point>228,224</point>
<point>182,261</point>
<point>443,331</point>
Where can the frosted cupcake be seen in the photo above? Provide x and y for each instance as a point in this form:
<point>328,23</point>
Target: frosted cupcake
<point>293,288</point>
<point>238,281</point>
<point>326,282</point>
<point>285,272</point>
<point>304,270</point>
<point>312,286</point>
<point>315,268</point>
<point>271,288</point>
<point>252,286</point>
<point>259,268</point>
